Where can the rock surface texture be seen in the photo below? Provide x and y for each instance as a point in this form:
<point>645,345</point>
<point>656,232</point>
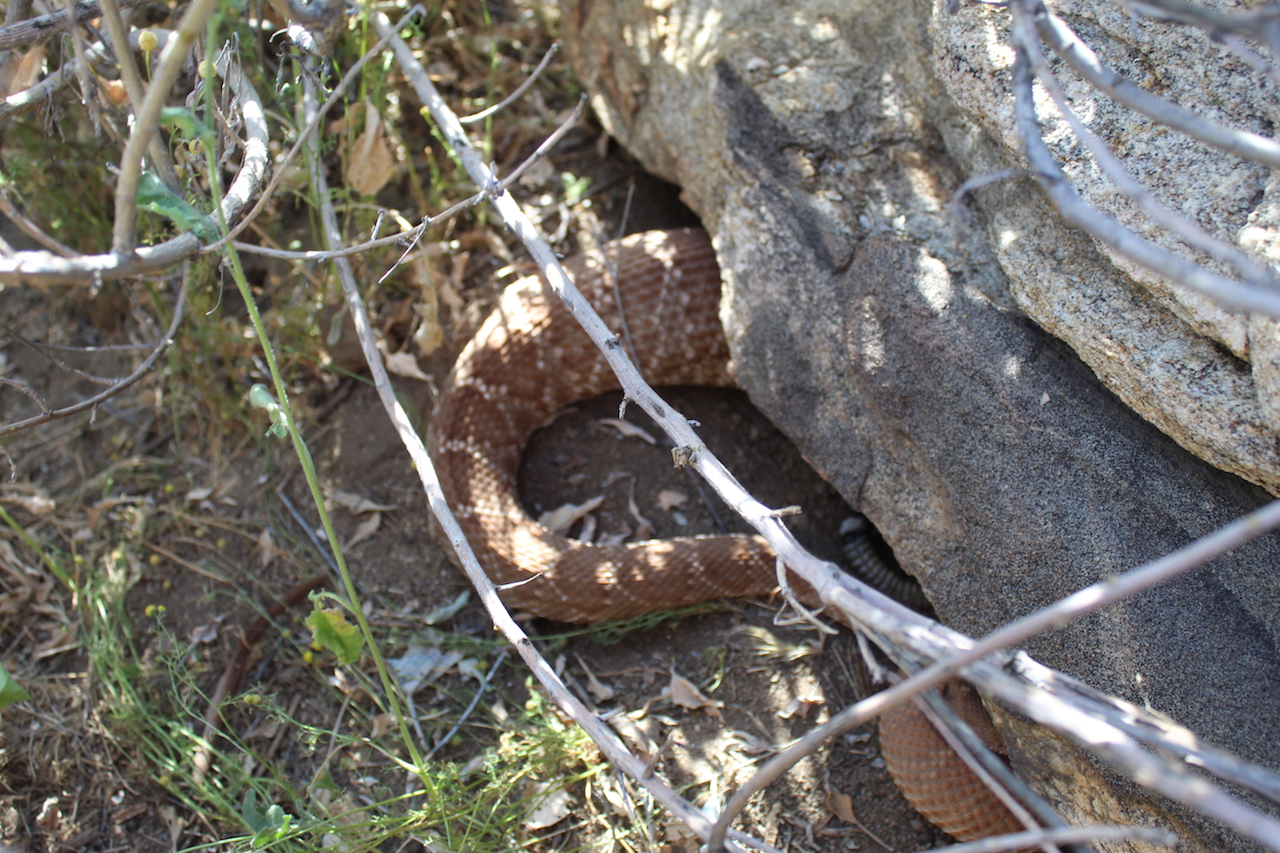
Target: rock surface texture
<point>821,142</point>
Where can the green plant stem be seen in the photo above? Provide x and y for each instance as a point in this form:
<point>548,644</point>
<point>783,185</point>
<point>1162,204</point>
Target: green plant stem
<point>313,483</point>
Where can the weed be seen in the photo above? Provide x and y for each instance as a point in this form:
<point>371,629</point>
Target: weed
<point>163,526</point>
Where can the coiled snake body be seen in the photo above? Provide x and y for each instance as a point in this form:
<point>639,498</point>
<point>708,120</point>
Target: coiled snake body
<point>530,359</point>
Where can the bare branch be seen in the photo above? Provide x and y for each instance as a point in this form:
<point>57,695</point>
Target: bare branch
<point>959,217</point>
<point>138,373</point>
<point>133,86</point>
<point>1240,49</point>
<point>1151,769</point>
<point>35,232</point>
<point>1189,232</point>
<point>1262,24</point>
<point>414,234</point>
<point>35,95</point>
<point>1107,592</point>
<point>44,27</point>
<point>27,390</point>
<point>1059,715</point>
<point>41,350</point>
<point>87,98</point>
<point>1227,292</point>
<point>1151,728</point>
<point>1085,62</point>
<point>514,96</point>
<point>987,766</point>
<point>339,92</point>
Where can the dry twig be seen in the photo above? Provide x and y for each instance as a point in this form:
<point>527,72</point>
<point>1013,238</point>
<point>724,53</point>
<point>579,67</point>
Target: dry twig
<point>141,370</point>
<point>43,27</point>
<point>1259,289</point>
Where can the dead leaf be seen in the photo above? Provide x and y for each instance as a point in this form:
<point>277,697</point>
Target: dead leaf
<point>669,499</point>
<point>422,664</point>
<point>208,632</point>
<point>115,91</point>
<point>50,817</point>
<point>471,668</point>
<point>800,706</point>
<point>429,334</point>
<point>176,825</point>
<point>365,530</point>
<point>538,174</point>
<point>199,494</point>
<point>356,504</point>
<point>25,72</point>
<point>60,640</point>
<point>401,363</point>
<point>382,724</point>
<point>644,527</point>
<point>266,548</point>
<point>14,602</point>
<point>9,559</point>
<point>444,614</point>
<point>610,539</point>
<point>129,813</point>
<point>370,164</point>
<point>749,744</point>
<point>626,429</point>
<point>683,693</point>
<point>679,835</point>
<point>588,531</point>
<point>600,692</point>
<point>841,805</point>
<point>617,798</point>
<point>559,520</point>
<point>641,744</point>
<point>550,806</point>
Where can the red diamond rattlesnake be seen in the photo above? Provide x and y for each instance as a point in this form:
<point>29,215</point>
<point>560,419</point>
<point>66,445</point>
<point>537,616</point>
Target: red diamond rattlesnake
<point>531,359</point>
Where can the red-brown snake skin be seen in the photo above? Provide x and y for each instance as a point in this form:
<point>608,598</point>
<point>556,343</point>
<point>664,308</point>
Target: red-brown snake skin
<point>531,359</point>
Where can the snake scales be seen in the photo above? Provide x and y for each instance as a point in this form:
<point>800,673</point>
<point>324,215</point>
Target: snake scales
<point>530,359</point>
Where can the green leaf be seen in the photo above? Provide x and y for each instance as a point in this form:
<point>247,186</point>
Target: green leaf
<point>260,398</point>
<point>268,826</point>
<point>277,826</point>
<point>186,122</point>
<point>155,197</point>
<point>10,690</point>
<point>575,188</point>
<point>331,629</point>
<point>253,816</point>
